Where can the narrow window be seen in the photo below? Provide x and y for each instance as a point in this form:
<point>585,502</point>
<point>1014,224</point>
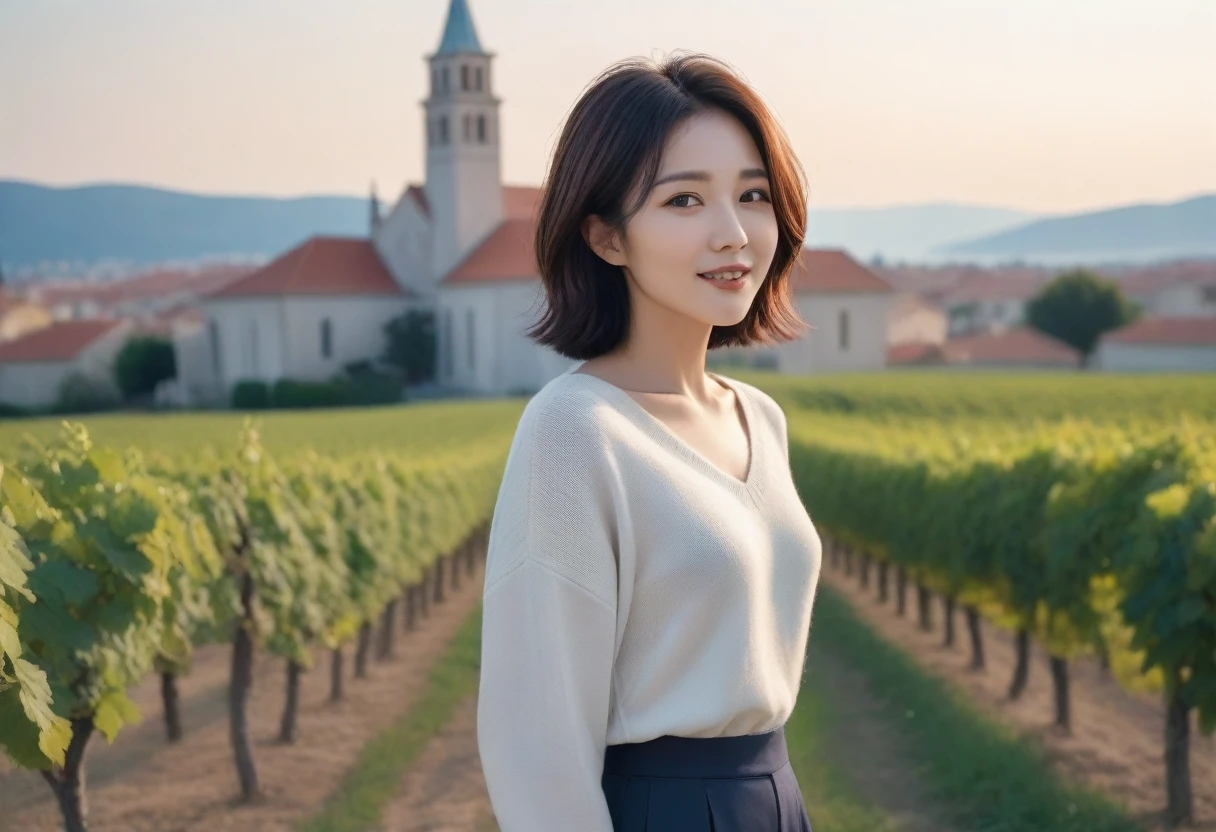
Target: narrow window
<point>327,339</point>
<point>464,77</point>
<point>469,324</point>
<point>844,329</point>
<point>443,129</point>
<point>467,127</point>
<point>251,349</point>
<point>434,81</point>
<point>477,79</point>
<point>481,129</point>
<point>445,79</point>
<point>215,348</point>
<point>447,343</point>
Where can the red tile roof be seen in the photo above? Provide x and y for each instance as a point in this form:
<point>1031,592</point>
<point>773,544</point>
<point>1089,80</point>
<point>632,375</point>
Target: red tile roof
<point>1015,346</point>
<point>504,255</point>
<point>1149,280</point>
<point>915,354</point>
<point>1161,332</point>
<point>319,266</point>
<point>995,287</point>
<point>829,270</point>
<point>61,341</point>
<point>520,201</point>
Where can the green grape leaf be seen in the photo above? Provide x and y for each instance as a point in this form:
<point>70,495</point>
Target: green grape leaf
<point>126,558</point>
<point>113,711</point>
<point>63,580</point>
<point>14,561</point>
<point>19,736</point>
<point>9,643</point>
<point>53,624</point>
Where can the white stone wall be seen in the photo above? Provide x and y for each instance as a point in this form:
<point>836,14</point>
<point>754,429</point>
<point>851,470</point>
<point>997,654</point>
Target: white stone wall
<point>821,350</point>
<point>1186,301</point>
<point>356,329</point>
<point>502,359</point>
<point>403,242</point>
<point>1142,358</point>
<point>921,325</point>
<point>248,336</point>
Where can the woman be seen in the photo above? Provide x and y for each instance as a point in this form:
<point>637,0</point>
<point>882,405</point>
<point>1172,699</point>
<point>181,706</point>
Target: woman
<point>651,569</point>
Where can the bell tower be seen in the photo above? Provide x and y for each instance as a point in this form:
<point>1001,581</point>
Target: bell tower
<point>463,160</point>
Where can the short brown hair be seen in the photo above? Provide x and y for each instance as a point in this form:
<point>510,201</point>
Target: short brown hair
<point>617,128</point>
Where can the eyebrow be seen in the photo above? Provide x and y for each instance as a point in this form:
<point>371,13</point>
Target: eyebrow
<point>702,176</point>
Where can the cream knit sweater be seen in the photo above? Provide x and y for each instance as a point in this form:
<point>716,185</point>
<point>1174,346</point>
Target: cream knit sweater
<point>633,589</point>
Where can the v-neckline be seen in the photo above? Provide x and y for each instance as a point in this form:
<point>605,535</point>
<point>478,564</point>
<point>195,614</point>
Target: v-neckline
<point>668,437</point>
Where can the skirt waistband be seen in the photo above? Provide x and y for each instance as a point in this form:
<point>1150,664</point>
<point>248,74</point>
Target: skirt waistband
<point>751,755</point>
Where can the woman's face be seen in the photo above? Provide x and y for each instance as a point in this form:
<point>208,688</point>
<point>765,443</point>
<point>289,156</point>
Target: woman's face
<point>710,208</point>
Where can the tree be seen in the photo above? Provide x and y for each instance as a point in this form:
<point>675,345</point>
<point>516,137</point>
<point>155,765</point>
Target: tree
<point>144,362</point>
<point>411,344</point>
<point>1077,307</point>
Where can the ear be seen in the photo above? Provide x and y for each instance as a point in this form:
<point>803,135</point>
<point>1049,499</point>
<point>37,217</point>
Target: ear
<point>603,240</point>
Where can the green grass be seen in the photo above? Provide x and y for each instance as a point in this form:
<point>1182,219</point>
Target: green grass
<point>831,803</point>
<point>373,781</point>
<point>339,430</point>
<point>986,778</point>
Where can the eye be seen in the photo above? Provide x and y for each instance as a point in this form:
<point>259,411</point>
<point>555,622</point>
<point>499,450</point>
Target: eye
<point>763,195</point>
<point>672,201</point>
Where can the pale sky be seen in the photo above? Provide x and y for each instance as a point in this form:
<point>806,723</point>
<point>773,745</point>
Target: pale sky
<point>1042,105</point>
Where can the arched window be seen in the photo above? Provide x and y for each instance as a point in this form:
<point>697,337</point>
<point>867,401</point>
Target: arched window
<point>481,129</point>
<point>464,76</point>
<point>327,338</point>
<point>443,129</point>
<point>844,329</point>
<point>477,79</point>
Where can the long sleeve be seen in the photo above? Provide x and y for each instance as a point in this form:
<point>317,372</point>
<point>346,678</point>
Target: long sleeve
<point>549,632</point>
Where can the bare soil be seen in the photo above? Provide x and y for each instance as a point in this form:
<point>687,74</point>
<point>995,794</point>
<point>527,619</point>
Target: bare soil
<point>444,791</point>
<point>871,754</point>
<point>1117,743</point>
<point>143,784</point>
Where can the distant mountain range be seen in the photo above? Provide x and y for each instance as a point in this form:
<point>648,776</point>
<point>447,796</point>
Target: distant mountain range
<point>67,229</point>
<point>1135,232</point>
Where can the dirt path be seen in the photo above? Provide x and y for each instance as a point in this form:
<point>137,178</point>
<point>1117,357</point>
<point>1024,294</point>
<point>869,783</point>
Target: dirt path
<point>869,753</point>
<point>140,784</point>
<point>444,791</point>
<point>1117,743</point>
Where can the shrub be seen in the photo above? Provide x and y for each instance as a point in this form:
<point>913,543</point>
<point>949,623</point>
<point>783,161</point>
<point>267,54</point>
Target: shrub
<point>79,393</point>
<point>250,395</point>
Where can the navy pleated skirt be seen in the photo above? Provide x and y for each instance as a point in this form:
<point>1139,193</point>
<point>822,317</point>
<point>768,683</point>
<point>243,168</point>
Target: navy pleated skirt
<point>700,784</point>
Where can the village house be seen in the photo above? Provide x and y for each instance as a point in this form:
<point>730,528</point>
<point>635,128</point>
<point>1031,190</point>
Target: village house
<point>34,366</point>
<point>460,246</point>
<point>1180,344</point>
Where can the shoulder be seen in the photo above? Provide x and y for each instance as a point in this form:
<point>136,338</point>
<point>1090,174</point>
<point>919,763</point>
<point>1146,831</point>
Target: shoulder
<point>566,427</point>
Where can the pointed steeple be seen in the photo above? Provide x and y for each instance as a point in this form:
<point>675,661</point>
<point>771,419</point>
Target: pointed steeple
<point>459,34</point>
<point>375,209</point>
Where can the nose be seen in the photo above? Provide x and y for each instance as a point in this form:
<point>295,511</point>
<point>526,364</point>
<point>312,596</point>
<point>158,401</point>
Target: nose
<point>728,232</point>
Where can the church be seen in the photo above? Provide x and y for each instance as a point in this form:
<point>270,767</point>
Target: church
<point>460,245</point>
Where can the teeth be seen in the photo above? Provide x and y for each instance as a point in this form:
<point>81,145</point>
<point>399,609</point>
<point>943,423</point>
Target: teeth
<point>724,276</point>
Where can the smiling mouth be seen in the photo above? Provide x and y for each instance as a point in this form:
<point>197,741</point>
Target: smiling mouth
<point>726,277</point>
